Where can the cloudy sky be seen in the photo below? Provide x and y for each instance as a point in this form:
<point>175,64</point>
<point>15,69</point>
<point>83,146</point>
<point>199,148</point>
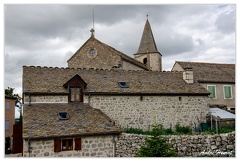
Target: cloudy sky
<point>48,35</point>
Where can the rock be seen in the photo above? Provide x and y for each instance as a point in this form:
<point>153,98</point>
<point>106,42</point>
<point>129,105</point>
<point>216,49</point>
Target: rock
<point>213,147</point>
<point>230,147</point>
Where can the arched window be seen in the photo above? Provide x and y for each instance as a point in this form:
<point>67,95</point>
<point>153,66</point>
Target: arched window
<point>145,61</point>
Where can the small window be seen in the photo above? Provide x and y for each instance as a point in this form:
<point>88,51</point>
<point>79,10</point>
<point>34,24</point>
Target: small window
<point>227,91</point>
<point>180,98</point>
<point>67,144</point>
<point>7,105</point>
<point>63,115</point>
<point>123,84</point>
<point>6,125</point>
<point>92,52</point>
<point>212,90</point>
<point>145,61</point>
<point>75,95</point>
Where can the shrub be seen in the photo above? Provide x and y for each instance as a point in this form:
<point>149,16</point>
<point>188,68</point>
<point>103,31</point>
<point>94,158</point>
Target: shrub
<point>183,129</point>
<point>134,131</point>
<point>156,146</point>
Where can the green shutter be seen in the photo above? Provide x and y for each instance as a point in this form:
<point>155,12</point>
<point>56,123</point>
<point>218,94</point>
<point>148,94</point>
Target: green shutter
<point>211,89</point>
<point>227,92</point>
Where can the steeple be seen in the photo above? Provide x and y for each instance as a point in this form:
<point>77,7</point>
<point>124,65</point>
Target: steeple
<point>147,43</point>
<point>147,52</point>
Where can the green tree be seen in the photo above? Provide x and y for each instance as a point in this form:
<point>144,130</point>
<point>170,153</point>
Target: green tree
<point>156,146</point>
<point>18,104</point>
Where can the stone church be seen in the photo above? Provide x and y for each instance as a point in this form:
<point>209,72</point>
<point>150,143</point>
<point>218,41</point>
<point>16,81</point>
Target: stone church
<point>101,92</point>
<point>96,54</point>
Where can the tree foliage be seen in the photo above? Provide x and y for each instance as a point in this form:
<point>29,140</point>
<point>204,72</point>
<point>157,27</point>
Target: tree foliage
<point>9,92</point>
<point>156,146</point>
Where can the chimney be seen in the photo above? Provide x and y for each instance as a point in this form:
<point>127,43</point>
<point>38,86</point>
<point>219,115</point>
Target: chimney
<point>188,75</point>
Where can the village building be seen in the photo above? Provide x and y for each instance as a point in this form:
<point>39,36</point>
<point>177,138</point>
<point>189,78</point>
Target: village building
<point>67,130</point>
<point>101,92</point>
<point>9,122</point>
<point>218,79</point>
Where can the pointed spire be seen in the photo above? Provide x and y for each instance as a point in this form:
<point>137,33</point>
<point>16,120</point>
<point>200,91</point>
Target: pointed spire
<point>147,44</point>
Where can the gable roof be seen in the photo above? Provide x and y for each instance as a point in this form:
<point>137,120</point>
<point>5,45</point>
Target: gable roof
<point>211,72</point>
<point>42,121</point>
<point>51,80</point>
<point>147,43</point>
<point>122,55</point>
<point>77,80</point>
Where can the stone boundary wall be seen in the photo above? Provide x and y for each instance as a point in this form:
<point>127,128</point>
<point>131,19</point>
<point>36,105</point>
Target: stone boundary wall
<point>127,145</point>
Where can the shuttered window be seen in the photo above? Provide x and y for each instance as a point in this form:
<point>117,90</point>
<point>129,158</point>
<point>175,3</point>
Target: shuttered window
<point>78,144</point>
<point>67,144</point>
<point>212,90</point>
<point>227,91</point>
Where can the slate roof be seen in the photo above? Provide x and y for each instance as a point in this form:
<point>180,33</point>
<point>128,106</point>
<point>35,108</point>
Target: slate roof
<point>122,55</point>
<point>51,80</point>
<point>147,43</point>
<point>211,72</point>
<point>42,121</point>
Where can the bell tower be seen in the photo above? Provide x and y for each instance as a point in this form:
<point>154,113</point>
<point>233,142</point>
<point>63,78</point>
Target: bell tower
<point>147,52</point>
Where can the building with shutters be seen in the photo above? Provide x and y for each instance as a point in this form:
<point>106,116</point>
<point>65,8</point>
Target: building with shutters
<point>218,79</point>
<point>67,130</point>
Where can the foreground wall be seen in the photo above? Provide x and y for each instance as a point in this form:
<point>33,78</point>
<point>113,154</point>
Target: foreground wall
<point>127,145</point>
<point>93,146</point>
<point>143,111</point>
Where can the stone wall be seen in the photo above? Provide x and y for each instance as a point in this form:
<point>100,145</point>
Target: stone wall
<point>46,99</point>
<point>143,111</point>
<point>127,145</point>
<point>154,60</point>
<point>129,66</point>
<point>92,146</point>
<point>104,58</point>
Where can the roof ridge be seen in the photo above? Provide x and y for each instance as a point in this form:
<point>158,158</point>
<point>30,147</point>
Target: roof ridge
<point>97,69</point>
<point>204,62</point>
<point>123,55</point>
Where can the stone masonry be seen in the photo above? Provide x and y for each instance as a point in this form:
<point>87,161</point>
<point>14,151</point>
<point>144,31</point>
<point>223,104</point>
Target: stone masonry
<point>143,111</point>
<point>92,146</point>
<point>127,145</point>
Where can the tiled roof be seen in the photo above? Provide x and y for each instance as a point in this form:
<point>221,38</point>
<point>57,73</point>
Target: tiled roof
<point>51,80</point>
<point>122,55</point>
<point>147,43</point>
<point>211,72</point>
<point>42,121</point>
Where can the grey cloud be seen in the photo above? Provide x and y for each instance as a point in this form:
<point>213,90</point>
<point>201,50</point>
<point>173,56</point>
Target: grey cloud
<point>29,30</point>
<point>226,22</point>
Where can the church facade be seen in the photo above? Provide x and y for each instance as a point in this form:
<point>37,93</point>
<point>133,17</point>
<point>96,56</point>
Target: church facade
<point>96,54</point>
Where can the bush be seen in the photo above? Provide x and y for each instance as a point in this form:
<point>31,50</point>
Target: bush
<point>156,146</point>
<point>183,129</point>
<point>134,131</point>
